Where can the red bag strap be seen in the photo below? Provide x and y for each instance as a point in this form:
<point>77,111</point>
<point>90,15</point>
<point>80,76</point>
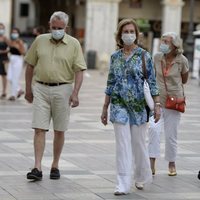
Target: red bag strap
<point>164,76</point>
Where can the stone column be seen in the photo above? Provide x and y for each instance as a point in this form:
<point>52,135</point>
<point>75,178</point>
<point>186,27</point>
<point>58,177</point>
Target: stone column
<point>5,14</point>
<point>101,25</point>
<point>172,15</point>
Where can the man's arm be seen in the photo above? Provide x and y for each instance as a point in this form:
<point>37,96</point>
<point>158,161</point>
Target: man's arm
<point>28,80</point>
<point>77,85</point>
<point>78,81</point>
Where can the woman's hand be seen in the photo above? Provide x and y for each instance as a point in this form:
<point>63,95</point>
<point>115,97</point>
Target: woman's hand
<point>157,112</point>
<point>104,115</point>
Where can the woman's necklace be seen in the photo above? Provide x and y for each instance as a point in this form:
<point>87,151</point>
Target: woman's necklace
<point>127,53</point>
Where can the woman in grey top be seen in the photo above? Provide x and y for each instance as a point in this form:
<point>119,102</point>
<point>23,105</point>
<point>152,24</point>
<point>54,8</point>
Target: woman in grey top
<point>173,65</point>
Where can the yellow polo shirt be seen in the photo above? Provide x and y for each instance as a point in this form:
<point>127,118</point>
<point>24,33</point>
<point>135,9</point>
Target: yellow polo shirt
<point>55,62</point>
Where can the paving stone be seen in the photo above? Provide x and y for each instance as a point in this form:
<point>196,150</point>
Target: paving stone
<point>88,160</point>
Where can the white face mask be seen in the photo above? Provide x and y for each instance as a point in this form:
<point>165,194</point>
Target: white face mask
<point>165,48</point>
<point>2,31</point>
<point>14,36</point>
<point>128,38</point>
<point>58,34</point>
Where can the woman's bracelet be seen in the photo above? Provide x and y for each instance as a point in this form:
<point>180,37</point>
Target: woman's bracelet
<point>157,103</point>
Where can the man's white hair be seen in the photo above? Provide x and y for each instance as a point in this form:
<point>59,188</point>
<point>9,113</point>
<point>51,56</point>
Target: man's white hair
<point>61,16</point>
<point>176,41</point>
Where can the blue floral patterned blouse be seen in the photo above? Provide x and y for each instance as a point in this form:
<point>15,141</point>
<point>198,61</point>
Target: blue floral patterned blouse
<point>125,87</point>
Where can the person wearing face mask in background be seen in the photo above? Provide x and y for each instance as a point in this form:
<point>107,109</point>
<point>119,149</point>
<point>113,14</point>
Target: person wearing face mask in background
<point>17,51</point>
<point>171,63</point>
<point>3,59</point>
<point>55,61</point>
<point>128,113</point>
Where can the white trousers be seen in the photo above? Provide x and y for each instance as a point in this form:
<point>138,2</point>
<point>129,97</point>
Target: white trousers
<point>14,73</point>
<point>169,122</point>
<point>131,156</point>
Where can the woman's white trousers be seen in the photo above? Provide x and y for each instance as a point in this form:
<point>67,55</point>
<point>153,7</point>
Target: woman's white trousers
<point>168,123</point>
<point>131,156</point>
<point>14,73</point>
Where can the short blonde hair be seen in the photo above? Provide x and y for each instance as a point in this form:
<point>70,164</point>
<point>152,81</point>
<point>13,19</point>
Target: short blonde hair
<point>176,41</point>
<point>120,26</point>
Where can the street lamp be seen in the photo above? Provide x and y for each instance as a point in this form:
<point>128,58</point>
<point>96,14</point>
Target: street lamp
<point>190,40</point>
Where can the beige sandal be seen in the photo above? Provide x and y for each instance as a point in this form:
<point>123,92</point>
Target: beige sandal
<point>172,169</point>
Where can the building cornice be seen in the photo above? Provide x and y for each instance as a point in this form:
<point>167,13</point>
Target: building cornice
<point>106,1</point>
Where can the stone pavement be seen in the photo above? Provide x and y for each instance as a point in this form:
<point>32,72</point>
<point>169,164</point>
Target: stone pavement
<point>88,160</point>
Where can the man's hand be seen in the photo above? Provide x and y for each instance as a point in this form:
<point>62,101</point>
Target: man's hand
<point>73,100</point>
<point>29,97</point>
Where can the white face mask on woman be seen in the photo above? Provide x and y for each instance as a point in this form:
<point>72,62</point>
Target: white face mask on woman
<point>14,36</point>
<point>165,48</point>
<point>128,38</point>
<point>2,31</point>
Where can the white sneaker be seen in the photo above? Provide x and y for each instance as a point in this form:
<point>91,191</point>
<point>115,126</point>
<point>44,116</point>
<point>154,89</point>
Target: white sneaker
<point>139,186</point>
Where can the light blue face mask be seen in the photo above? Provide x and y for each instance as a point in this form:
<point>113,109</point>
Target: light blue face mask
<point>58,34</point>
<point>14,36</point>
<point>164,48</point>
<point>2,31</point>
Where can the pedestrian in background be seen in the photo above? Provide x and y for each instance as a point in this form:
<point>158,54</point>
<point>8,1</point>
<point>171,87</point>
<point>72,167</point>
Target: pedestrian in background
<point>128,113</point>
<point>173,65</point>
<point>38,30</point>
<point>16,61</point>
<point>56,61</point>
<point>3,59</point>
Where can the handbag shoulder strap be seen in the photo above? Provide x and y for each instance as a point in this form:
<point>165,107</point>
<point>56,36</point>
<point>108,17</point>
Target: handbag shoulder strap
<point>144,65</point>
<point>164,76</point>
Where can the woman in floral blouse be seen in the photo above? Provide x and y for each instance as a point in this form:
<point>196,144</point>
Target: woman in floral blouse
<point>128,109</point>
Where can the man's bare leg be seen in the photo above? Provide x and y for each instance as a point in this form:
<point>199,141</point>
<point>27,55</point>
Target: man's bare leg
<point>39,146</point>
<point>59,139</point>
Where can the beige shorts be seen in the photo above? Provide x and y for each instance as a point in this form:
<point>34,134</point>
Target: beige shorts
<point>51,102</point>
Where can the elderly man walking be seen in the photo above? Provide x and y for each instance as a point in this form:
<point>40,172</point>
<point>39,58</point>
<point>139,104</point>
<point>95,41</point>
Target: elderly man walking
<point>55,61</point>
